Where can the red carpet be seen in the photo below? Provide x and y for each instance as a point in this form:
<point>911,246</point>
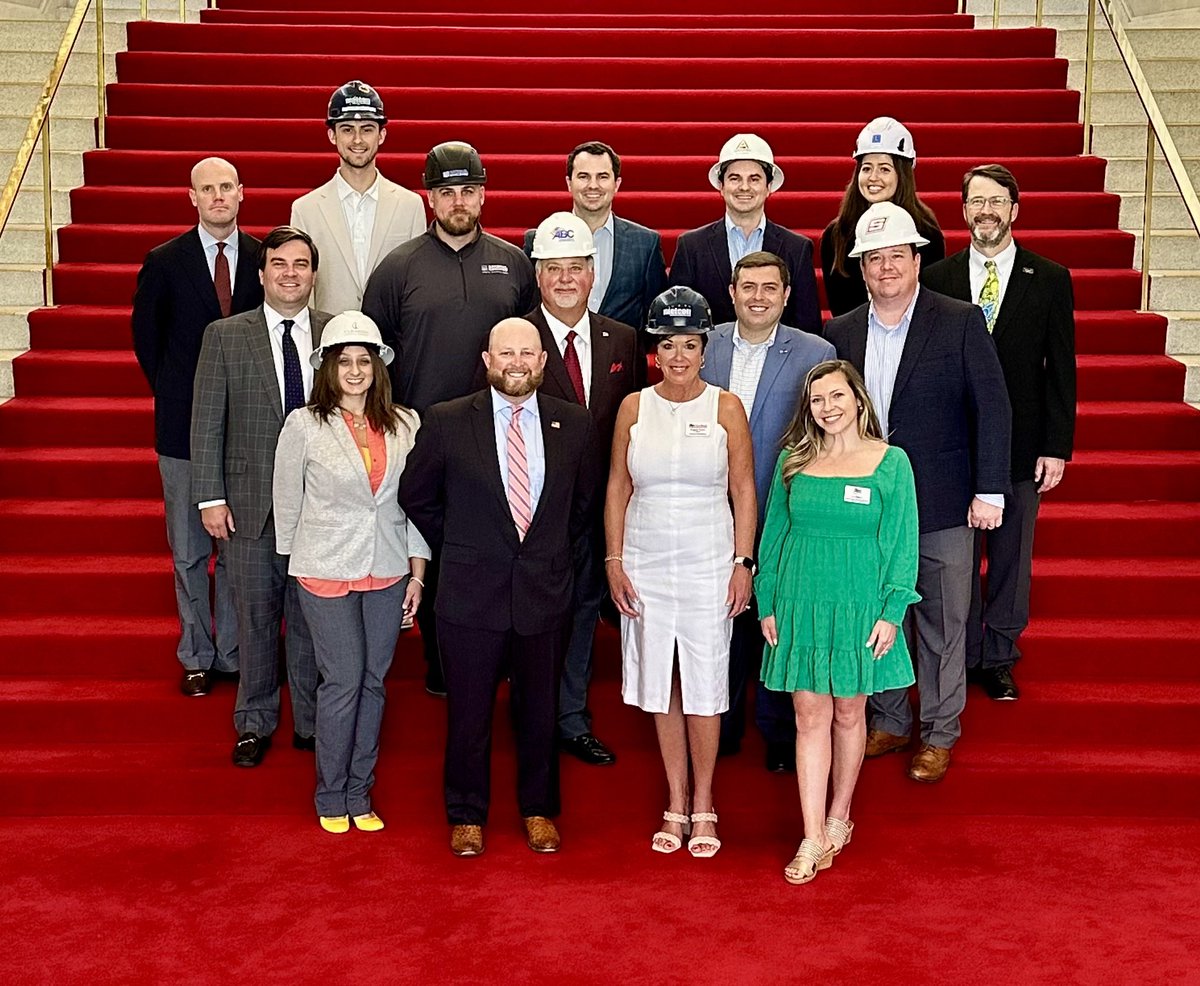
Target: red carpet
<point>1102,748</point>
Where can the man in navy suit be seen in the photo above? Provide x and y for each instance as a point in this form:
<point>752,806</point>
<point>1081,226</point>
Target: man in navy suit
<point>938,389</point>
<point>1029,305</point>
<point>629,267</point>
<point>764,363</point>
<point>207,273</point>
<point>745,175</point>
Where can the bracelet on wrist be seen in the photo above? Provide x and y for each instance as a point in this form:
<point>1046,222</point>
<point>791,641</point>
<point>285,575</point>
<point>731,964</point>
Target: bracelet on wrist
<point>418,581</point>
<point>608,558</point>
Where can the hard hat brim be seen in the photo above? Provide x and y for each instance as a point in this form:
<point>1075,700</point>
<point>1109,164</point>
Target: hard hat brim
<point>917,240</point>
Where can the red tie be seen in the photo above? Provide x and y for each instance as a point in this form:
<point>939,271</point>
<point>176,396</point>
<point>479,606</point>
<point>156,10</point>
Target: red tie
<point>520,502</point>
<point>571,359</point>
<point>221,282</point>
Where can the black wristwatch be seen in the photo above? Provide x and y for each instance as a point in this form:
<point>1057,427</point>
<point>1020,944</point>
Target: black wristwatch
<point>746,562</point>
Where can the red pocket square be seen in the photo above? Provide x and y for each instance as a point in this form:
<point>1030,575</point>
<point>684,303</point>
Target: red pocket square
<point>616,368</point>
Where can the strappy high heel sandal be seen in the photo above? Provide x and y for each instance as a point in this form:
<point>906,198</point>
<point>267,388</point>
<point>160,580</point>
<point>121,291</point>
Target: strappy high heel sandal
<point>711,841</point>
<point>672,841</point>
<point>809,859</point>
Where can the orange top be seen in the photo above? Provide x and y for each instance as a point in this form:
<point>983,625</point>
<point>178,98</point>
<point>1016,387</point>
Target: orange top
<point>374,457</point>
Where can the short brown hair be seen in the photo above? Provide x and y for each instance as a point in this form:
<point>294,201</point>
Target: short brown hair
<point>997,173</point>
<point>599,148</point>
<point>281,235</point>
<point>762,258</point>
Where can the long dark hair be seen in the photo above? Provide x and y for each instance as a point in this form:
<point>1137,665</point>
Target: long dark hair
<point>380,412</point>
<point>854,205</point>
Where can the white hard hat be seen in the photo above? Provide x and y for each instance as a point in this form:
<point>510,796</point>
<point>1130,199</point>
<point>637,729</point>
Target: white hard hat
<point>563,234</point>
<point>746,147</point>
<point>883,135</point>
<point>350,329</point>
<point>885,224</point>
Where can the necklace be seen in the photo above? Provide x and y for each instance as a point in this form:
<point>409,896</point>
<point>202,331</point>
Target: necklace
<point>675,406</point>
<point>359,420</point>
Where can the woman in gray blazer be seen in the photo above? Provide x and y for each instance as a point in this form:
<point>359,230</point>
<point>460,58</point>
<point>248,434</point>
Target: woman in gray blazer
<point>359,562</point>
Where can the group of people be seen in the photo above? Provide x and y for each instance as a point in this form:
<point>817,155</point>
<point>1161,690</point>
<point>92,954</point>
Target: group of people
<point>380,421</point>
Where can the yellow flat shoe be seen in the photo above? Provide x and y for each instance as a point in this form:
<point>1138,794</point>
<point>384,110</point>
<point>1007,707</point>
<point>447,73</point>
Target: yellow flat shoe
<point>370,822</point>
<point>337,824</point>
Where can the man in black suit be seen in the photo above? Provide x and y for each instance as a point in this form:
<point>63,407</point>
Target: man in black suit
<point>745,175</point>
<point>593,361</point>
<point>937,388</point>
<point>207,273</point>
<point>1029,305</point>
<point>254,370</point>
<point>500,484</point>
<point>629,268</point>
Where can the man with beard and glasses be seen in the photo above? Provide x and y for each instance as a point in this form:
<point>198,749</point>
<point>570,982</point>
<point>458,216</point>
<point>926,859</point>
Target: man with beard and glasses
<point>1029,305</point>
<point>434,299</point>
<point>357,217</point>
<point>500,484</point>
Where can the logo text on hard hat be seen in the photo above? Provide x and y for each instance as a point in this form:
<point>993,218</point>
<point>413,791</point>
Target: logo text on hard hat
<point>876,138</point>
<point>678,312</point>
<point>563,234</point>
<point>456,173</point>
<point>742,146</point>
<point>877,224</point>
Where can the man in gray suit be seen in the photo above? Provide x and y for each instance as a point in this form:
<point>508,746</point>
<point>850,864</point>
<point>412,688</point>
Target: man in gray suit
<point>764,363</point>
<point>253,372</point>
<point>630,270</point>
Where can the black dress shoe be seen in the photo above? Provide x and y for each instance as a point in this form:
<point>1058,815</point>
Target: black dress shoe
<point>588,749</point>
<point>195,683</point>
<point>306,743</point>
<point>781,758</point>
<point>435,684</point>
<point>999,685</point>
<point>249,750</point>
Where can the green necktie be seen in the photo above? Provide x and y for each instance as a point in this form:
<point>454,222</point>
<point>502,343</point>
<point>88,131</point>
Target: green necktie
<point>989,294</point>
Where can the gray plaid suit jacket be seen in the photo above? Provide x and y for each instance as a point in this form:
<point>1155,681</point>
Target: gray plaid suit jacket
<point>237,414</point>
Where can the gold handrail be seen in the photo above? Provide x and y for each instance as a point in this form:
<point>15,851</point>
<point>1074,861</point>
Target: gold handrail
<point>1157,131</point>
<point>39,125</point>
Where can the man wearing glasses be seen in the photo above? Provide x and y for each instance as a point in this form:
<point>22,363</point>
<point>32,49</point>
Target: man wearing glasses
<point>1029,306</point>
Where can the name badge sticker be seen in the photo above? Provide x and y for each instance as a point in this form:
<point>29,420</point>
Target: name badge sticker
<point>699,429</point>
<point>857,494</point>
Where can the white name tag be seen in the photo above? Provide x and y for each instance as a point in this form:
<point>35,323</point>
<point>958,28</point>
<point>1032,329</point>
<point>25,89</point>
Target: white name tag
<point>699,429</point>
<point>858,494</point>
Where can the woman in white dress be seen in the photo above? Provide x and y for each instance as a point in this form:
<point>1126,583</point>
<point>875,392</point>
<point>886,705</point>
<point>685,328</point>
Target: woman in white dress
<point>678,560</point>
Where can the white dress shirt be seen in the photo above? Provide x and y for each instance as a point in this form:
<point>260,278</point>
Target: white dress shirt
<point>746,368</point>
<point>605,247</point>
<point>209,243</point>
<point>1004,268</point>
<point>301,336</point>
<point>535,449</point>
<point>583,345</point>
<point>359,210</point>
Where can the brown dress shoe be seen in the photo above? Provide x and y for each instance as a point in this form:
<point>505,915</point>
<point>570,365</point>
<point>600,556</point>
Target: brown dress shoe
<point>930,764</point>
<point>541,835</point>
<point>879,743</point>
<point>466,840</point>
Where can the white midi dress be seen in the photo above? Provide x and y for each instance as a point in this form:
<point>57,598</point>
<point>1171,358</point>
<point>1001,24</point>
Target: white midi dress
<point>678,553</point>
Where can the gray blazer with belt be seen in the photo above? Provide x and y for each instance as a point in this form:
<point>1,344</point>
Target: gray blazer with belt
<point>326,516</point>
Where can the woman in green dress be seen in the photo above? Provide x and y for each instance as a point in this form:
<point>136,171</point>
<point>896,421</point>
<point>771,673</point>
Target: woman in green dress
<point>838,567</point>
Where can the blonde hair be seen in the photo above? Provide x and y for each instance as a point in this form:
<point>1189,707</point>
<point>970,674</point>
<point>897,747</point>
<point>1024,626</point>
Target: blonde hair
<point>804,438</point>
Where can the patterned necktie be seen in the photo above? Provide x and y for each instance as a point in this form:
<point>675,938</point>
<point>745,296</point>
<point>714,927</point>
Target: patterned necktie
<point>221,282</point>
<point>574,370</point>
<point>520,502</point>
<point>293,378</point>
<point>989,294</point>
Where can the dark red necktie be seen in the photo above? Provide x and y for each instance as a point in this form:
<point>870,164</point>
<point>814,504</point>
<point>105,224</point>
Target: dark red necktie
<point>571,359</point>
<point>221,282</point>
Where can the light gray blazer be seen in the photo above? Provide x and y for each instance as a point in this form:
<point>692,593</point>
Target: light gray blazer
<point>326,517</point>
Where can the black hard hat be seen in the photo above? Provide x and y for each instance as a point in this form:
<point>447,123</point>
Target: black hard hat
<point>355,101</point>
<point>454,163</point>
<point>679,311</point>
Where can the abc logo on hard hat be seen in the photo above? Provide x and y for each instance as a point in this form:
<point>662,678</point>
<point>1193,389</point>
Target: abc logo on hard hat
<point>560,235</point>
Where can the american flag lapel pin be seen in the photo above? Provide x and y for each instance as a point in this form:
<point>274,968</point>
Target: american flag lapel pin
<point>555,424</point>
<point>1027,270</point>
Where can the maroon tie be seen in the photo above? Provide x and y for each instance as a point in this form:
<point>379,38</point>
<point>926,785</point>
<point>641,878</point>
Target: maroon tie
<point>571,359</point>
<point>221,282</point>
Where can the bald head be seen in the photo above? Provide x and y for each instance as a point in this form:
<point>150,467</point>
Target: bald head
<point>515,359</point>
<point>216,193</point>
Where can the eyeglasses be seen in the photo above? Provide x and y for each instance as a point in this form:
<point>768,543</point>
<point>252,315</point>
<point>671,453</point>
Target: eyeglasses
<point>996,202</point>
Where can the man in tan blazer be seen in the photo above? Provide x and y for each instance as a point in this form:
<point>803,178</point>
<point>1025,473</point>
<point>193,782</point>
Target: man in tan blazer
<point>358,216</point>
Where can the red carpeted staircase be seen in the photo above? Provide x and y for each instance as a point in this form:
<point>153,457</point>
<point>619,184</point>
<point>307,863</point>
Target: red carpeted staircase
<point>90,718</point>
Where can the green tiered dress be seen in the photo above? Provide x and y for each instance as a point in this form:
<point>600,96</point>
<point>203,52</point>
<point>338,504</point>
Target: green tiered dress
<point>829,568</point>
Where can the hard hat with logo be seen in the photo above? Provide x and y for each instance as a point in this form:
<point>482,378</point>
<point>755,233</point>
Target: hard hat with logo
<point>351,329</point>
<point>563,234</point>
<point>885,224</point>
<point>454,162</point>
<point>746,147</point>
<point>679,311</point>
<point>355,101</point>
<point>883,135</point>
